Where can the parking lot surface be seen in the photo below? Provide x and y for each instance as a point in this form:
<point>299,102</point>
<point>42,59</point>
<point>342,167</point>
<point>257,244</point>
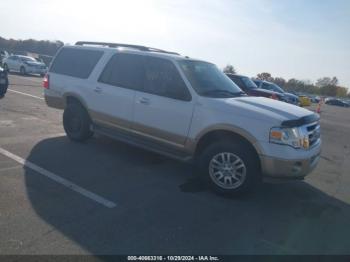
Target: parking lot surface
<point>105,197</point>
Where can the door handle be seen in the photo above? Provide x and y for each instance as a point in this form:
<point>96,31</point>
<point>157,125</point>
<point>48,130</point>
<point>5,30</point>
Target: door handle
<point>144,101</point>
<point>98,90</point>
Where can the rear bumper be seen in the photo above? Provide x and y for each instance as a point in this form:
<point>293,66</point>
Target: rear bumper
<point>289,169</point>
<point>54,101</point>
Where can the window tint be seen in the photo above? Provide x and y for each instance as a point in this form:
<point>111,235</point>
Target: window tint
<point>266,86</point>
<point>163,79</point>
<point>236,80</point>
<point>248,82</point>
<point>75,62</point>
<point>257,83</point>
<point>124,70</point>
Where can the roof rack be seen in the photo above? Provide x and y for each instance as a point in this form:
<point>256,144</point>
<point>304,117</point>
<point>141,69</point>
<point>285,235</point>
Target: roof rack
<point>115,45</point>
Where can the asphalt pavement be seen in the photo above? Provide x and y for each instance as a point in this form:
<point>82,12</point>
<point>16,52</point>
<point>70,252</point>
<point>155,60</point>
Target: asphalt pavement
<point>105,197</point>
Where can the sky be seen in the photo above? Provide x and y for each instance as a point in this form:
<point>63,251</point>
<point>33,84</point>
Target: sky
<point>303,39</point>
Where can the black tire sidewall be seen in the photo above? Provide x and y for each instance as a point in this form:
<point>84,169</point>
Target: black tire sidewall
<point>242,151</point>
<point>77,110</point>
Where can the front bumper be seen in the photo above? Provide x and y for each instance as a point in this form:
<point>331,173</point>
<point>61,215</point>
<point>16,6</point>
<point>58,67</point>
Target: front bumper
<point>277,168</point>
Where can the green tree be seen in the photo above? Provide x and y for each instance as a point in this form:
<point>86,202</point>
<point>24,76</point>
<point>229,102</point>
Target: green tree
<point>279,81</point>
<point>229,69</point>
<point>327,81</point>
<point>264,76</point>
<point>341,91</point>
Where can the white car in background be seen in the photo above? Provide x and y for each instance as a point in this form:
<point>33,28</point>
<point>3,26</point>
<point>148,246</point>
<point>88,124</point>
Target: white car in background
<point>24,65</point>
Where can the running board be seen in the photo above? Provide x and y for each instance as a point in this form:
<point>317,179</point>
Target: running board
<point>142,142</point>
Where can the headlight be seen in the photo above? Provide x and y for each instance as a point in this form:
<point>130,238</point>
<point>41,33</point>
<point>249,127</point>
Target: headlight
<point>293,137</point>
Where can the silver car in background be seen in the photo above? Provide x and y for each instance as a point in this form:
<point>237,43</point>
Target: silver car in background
<point>24,65</point>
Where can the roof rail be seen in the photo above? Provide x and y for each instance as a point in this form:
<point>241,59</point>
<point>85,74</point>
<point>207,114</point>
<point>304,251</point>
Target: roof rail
<point>115,45</point>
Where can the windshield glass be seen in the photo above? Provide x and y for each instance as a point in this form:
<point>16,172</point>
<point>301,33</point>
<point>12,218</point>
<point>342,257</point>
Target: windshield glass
<point>276,88</point>
<point>208,80</point>
<point>248,82</point>
<point>28,59</point>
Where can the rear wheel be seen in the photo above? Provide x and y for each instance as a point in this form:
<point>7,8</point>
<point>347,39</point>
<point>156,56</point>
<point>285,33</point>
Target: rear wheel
<point>76,122</point>
<point>230,167</point>
<point>6,68</point>
<point>22,70</point>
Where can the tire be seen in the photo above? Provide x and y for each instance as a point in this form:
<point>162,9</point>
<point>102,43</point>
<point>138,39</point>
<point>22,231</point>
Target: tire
<point>6,68</point>
<point>77,123</point>
<point>242,169</point>
<point>22,70</point>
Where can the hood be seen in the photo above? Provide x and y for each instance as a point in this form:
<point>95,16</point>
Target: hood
<point>265,109</point>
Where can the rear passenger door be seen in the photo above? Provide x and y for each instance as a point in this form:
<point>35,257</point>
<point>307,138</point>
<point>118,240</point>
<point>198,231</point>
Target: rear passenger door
<point>163,109</point>
<point>113,96</point>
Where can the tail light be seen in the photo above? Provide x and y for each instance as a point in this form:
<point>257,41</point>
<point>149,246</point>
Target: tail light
<point>46,81</point>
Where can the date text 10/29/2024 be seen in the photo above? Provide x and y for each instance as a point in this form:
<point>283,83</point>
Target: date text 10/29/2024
<point>173,258</point>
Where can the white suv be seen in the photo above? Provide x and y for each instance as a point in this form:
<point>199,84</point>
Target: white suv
<point>182,108</point>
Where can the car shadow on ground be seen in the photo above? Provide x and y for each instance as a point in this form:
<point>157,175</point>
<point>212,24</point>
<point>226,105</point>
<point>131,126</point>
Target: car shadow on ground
<point>161,209</point>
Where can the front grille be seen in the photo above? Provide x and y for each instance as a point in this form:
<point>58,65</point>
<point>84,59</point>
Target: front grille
<point>314,133</point>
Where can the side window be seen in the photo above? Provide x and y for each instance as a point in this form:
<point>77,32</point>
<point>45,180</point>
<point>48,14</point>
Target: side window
<point>124,70</point>
<point>238,82</point>
<point>163,79</point>
<point>266,86</point>
<point>75,62</point>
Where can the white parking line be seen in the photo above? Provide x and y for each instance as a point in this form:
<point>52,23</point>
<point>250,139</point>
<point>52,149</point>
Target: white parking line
<point>59,179</point>
<point>25,94</point>
<point>36,80</point>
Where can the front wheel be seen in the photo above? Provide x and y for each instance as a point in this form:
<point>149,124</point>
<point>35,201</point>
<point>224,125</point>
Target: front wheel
<point>230,167</point>
<point>77,123</point>
<point>22,70</point>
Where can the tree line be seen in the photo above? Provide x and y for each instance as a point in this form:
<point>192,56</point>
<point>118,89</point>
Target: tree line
<point>325,86</point>
<point>43,47</point>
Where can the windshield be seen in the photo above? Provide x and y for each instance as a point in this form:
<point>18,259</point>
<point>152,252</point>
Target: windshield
<point>28,59</point>
<point>276,88</point>
<point>248,82</point>
<point>208,80</point>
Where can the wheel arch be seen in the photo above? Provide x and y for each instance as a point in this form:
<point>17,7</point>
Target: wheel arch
<point>221,132</point>
<point>74,98</point>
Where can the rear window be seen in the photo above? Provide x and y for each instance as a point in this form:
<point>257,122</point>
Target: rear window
<point>75,62</point>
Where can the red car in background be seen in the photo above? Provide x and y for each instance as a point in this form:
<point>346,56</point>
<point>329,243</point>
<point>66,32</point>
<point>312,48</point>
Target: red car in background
<point>251,89</point>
